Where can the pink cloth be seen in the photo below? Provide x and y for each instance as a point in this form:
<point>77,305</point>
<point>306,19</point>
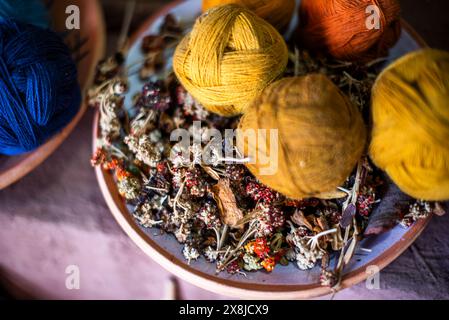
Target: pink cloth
<point>56,217</point>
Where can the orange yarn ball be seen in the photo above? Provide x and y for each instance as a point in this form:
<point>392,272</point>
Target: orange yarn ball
<point>347,29</point>
<point>277,12</point>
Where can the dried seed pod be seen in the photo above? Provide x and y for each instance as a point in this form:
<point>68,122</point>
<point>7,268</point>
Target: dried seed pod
<point>320,136</point>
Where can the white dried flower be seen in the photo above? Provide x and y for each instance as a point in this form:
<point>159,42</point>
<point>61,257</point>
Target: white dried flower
<point>251,263</point>
<point>190,253</point>
<point>143,213</point>
<point>210,254</point>
<point>306,255</point>
<point>182,233</point>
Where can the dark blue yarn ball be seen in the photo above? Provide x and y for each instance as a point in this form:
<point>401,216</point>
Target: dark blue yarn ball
<point>39,90</point>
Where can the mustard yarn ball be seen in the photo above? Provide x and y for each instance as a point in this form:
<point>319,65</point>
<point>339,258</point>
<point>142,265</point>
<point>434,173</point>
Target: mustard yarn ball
<point>321,136</point>
<point>277,12</point>
<point>229,57</point>
<point>410,111</point>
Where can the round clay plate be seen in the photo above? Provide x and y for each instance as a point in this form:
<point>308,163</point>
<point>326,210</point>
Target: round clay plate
<point>284,282</point>
<point>92,29</point>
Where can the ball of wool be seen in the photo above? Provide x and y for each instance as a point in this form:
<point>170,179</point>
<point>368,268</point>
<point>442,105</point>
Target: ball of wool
<point>277,12</point>
<point>321,136</point>
<point>410,111</point>
<point>344,29</point>
<point>29,11</point>
<point>230,56</point>
<point>39,92</point>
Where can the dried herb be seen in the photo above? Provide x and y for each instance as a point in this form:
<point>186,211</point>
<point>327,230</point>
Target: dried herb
<point>219,210</point>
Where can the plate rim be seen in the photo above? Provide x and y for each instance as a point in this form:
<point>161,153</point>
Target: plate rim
<point>228,287</point>
<point>30,161</point>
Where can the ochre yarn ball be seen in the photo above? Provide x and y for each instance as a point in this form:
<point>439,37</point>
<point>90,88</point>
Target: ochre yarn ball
<point>230,56</point>
<point>339,28</point>
<point>277,12</point>
<point>321,136</point>
<point>410,110</point>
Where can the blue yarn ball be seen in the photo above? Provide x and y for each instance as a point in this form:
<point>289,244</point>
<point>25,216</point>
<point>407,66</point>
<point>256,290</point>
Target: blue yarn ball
<point>29,11</point>
<point>39,90</point>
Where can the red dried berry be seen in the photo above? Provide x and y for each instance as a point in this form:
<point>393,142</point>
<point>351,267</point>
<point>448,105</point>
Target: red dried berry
<point>233,267</point>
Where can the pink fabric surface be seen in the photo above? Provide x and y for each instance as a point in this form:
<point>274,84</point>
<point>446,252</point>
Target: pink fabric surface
<point>57,217</point>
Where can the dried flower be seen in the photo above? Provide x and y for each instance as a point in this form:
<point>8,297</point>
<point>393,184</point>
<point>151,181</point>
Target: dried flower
<point>261,248</point>
<point>129,187</point>
<point>210,254</point>
<point>251,263</point>
<point>209,215</point>
<point>328,278</point>
<point>145,150</point>
<point>99,157</point>
<point>154,96</point>
<point>418,210</point>
<point>268,264</point>
<point>261,193</point>
<point>190,253</point>
<point>365,201</point>
<point>306,256</point>
<point>143,213</point>
<point>233,267</point>
<point>269,218</point>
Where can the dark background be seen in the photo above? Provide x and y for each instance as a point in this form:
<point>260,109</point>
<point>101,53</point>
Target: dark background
<point>428,17</point>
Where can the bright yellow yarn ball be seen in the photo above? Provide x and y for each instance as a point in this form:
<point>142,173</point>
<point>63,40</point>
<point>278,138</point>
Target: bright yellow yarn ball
<point>230,56</point>
<point>320,137</point>
<point>277,12</point>
<point>410,110</point>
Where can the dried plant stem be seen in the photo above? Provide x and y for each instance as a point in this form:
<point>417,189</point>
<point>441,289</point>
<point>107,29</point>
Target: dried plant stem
<point>230,255</point>
<point>352,198</point>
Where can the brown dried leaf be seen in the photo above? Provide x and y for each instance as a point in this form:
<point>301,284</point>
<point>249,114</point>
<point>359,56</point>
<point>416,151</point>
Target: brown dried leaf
<point>153,43</point>
<point>170,25</point>
<point>225,198</point>
<point>322,222</point>
<point>299,219</point>
<point>154,63</point>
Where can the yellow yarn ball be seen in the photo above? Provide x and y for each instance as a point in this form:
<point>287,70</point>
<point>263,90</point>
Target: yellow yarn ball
<point>410,110</point>
<point>277,12</point>
<point>321,136</point>
<point>230,56</point>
